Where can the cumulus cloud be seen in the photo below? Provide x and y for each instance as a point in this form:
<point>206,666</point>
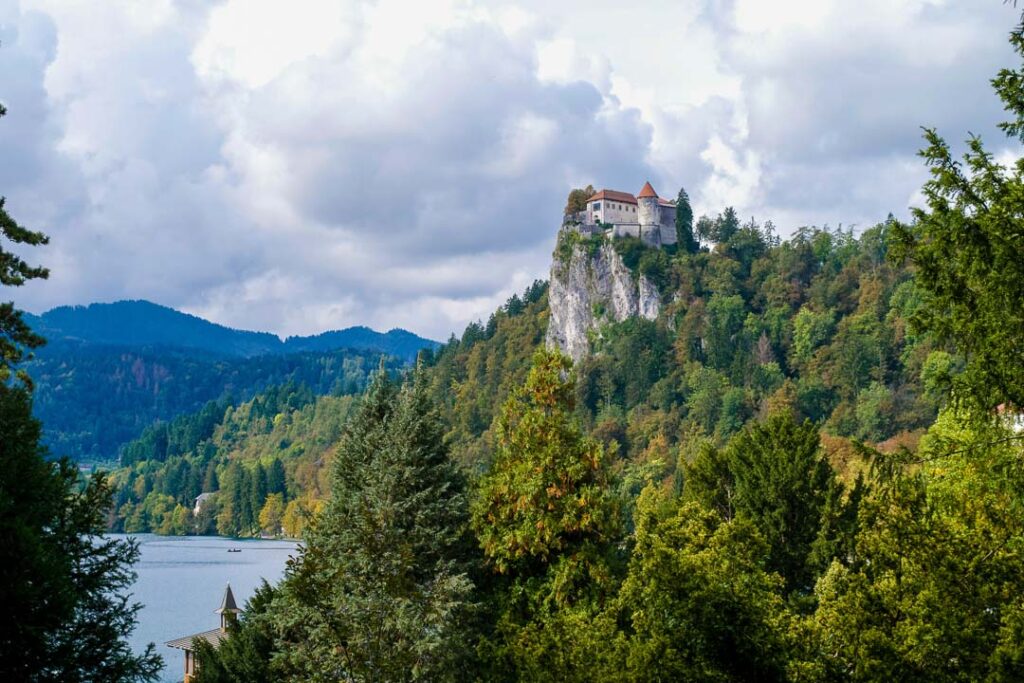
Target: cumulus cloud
<point>316,164</point>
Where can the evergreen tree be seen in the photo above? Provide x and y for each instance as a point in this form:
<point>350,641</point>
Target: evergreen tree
<point>546,517</point>
<point>380,590</point>
<point>966,246</point>
<point>783,484</point>
<point>719,229</point>
<point>931,591</point>
<point>774,475</point>
<point>16,338</point>
<point>61,585</point>
<point>276,482</point>
<point>257,492</point>
<point>684,224</point>
<point>697,603</point>
<point>210,483</point>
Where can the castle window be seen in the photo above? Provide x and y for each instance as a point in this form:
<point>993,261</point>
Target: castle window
<point>597,206</point>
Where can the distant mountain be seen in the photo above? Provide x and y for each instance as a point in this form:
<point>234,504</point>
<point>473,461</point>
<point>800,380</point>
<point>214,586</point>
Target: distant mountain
<point>400,343</point>
<point>145,324</point>
<point>110,370</point>
<point>92,398</point>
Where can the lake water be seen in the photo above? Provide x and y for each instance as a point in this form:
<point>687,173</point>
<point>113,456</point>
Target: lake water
<point>181,582</point>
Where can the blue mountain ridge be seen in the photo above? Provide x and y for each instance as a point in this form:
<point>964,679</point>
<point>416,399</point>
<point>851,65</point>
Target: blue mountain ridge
<point>138,323</point>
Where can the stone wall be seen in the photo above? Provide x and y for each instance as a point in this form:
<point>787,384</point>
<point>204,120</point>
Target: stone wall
<point>651,235</point>
<point>626,230</point>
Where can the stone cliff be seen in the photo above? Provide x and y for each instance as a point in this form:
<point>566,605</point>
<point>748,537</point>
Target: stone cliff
<point>590,286</point>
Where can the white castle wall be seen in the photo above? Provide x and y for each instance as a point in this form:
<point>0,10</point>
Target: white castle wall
<point>651,235</point>
<point>611,211</point>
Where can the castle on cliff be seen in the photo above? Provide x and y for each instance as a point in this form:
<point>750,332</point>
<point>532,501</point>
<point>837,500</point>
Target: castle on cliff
<point>620,214</point>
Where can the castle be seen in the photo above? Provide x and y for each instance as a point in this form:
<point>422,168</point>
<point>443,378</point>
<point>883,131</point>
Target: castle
<point>620,214</point>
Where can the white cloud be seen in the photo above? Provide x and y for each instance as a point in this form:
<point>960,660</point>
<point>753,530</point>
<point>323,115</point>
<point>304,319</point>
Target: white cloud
<point>309,165</point>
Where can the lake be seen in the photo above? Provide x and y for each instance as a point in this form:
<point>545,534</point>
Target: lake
<point>181,582</point>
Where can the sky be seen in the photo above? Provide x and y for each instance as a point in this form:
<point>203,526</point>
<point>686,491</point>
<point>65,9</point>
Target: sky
<point>300,166</point>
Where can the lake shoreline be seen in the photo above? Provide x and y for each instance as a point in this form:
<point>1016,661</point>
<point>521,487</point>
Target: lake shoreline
<point>181,580</point>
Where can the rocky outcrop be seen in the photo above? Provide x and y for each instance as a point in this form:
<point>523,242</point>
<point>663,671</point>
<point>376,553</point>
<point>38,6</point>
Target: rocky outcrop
<point>591,287</point>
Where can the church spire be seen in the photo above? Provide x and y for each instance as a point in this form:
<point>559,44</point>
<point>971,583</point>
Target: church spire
<point>229,610</point>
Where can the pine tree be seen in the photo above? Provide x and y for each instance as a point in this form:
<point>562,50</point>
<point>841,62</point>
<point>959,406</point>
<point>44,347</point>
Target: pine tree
<point>783,484</point>
<point>546,518</point>
<point>276,481</point>
<point>257,493</point>
<point>210,483</point>
<point>16,337</point>
<point>966,247</point>
<point>684,224</point>
<point>62,586</point>
<point>380,591</point>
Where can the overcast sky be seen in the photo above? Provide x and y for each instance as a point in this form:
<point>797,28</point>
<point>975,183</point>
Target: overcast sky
<point>300,166</point>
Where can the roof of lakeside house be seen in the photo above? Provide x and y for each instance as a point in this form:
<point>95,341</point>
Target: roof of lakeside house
<point>615,196</point>
<point>213,637</point>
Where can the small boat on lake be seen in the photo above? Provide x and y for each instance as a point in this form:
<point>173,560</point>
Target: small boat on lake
<point>234,550</point>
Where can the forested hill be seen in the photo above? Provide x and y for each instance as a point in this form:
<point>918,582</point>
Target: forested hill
<point>92,399</point>
<point>142,323</point>
<point>815,326</point>
<point>110,370</point>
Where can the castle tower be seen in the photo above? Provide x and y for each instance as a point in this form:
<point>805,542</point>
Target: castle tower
<point>649,213</point>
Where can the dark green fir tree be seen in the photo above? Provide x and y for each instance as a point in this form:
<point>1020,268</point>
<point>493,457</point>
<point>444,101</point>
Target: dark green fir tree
<point>380,591</point>
<point>62,586</point>
<point>685,240</point>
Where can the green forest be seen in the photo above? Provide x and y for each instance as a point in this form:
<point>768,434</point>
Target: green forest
<point>92,399</point>
<point>263,460</point>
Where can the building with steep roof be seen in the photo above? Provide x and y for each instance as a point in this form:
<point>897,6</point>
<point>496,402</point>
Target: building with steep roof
<point>228,612</point>
<point>621,214</point>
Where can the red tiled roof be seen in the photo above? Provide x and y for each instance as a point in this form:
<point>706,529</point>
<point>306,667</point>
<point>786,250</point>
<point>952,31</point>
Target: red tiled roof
<point>665,202</point>
<point>647,191</point>
<point>615,196</point>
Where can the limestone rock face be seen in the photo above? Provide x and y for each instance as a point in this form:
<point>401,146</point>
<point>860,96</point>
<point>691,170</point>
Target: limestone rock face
<point>590,290</point>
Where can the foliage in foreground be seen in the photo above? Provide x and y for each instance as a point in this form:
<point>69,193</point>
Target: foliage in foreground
<point>63,588</point>
<point>380,589</point>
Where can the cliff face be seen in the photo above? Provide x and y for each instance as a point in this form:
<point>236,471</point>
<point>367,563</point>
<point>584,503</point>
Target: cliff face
<point>588,290</point>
